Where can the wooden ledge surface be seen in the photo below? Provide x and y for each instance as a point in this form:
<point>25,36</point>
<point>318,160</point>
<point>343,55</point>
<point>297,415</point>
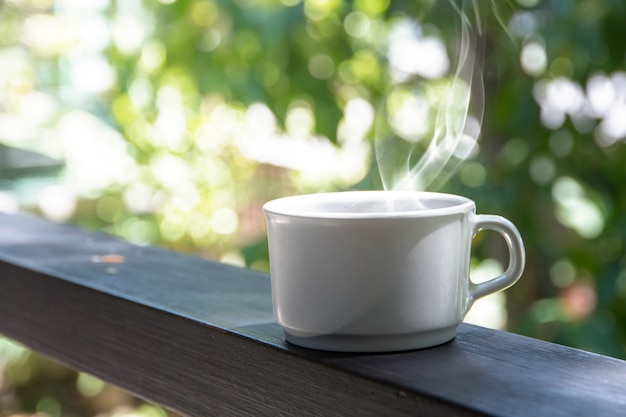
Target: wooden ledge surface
<point>198,337</point>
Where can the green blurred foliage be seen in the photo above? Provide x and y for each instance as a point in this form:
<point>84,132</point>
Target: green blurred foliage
<point>185,83</point>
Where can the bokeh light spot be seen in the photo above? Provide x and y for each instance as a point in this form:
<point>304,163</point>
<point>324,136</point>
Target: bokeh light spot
<point>542,169</point>
<point>562,273</point>
<point>88,385</point>
<point>473,174</point>
<point>372,7</point>
<point>575,210</point>
<point>533,58</point>
<point>321,66</point>
<point>356,24</point>
<point>224,221</point>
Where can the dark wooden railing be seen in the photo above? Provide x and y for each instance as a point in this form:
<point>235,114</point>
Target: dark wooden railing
<point>17,164</point>
<point>198,337</point>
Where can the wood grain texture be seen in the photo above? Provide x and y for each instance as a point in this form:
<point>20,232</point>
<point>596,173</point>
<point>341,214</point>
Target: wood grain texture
<point>199,338</point>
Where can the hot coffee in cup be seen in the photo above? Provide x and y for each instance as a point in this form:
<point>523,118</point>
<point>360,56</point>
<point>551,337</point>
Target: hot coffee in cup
<point>372,271</point>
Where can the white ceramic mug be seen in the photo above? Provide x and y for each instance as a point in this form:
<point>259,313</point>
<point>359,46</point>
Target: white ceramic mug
<point>373,271</point>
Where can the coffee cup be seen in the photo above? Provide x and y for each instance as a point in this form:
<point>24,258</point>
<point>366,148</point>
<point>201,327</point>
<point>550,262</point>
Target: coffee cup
<point>378,271</point>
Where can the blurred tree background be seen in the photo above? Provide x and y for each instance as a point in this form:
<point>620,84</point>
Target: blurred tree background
<point>175,120</point>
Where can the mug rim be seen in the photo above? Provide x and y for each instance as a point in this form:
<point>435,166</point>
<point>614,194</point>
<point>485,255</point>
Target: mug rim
<point>292,206</point>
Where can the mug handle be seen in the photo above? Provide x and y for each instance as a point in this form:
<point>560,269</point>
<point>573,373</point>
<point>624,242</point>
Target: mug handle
<point>517,255</point>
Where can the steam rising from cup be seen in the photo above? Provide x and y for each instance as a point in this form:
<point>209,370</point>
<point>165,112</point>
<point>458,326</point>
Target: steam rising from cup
<point>431,119</point>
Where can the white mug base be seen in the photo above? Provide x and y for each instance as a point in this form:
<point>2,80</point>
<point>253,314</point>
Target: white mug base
<point>374,343</point>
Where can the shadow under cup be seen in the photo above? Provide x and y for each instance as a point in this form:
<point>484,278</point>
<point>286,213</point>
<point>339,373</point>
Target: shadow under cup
<point>374,271</point>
